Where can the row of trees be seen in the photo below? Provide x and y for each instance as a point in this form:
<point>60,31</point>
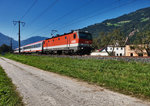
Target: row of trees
<point>4,48</point>
<point>118,38</point>
<point>114,38</point>
<point>142,38</point>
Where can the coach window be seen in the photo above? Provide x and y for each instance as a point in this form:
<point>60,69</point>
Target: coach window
<point>53,40</point>
<point>74,36</point>
<point>58,38</point>
<point>65,37</point>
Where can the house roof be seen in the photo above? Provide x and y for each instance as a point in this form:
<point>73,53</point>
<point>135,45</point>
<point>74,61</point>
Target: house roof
<point>114,46</point>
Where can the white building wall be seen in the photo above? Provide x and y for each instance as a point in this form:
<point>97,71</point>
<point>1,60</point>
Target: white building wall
<point>119,51</point>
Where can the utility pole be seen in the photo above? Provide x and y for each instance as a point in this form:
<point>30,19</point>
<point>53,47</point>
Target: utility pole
<point>19,22</point>
<point>11,44</point>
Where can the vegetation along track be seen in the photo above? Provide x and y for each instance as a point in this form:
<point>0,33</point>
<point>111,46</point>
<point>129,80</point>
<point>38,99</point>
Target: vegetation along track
<point>119,58</point>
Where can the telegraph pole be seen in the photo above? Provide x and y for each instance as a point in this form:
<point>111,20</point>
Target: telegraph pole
<point>19,22</point>
<point>19,35</point>
<point>11,44</point>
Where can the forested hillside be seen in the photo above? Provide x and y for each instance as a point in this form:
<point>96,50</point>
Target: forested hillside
<point>139,19</point>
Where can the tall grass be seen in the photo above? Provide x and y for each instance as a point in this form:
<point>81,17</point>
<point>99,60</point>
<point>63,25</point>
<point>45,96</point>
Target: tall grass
<point>8,95</point>
<point>126,77</point>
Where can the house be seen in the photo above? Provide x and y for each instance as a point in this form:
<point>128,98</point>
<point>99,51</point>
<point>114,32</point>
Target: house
<point>118,50</point>
<point>99,52</point>
<point>131,51</point>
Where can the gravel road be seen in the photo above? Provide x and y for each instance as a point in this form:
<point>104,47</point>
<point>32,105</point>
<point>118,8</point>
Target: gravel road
<point>41,88</point>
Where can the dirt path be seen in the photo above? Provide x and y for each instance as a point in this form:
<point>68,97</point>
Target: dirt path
<point>41,88</point>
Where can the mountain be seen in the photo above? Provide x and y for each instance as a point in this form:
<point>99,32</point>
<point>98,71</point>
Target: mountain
<point>139,19</point>
<point>6,40</point>
<point>32,40</point>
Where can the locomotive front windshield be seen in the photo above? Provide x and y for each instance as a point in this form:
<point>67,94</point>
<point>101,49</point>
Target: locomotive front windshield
<point>85,36</point>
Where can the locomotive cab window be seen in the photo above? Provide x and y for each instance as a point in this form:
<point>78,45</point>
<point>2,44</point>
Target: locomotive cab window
<point>74,36</point>
<point>85,36</point>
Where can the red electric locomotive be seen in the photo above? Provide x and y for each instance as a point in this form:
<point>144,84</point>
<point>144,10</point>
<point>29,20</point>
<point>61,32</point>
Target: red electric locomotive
<point>75,42</point>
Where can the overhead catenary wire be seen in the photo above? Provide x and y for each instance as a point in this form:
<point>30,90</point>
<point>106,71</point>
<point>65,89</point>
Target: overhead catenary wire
<point>61,17</point>
<point>28,10</point>
<point>95,15</point>
<point>72,21</point>
<point>43,12</point>
<point>85,18</point>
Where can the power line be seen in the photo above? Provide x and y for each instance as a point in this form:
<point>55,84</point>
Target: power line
<point>29,9</point>
<point>45,27</point>
<point>99,13</point>
<point>44,11</point>
<point>108,10</point>
<point>56,20</point>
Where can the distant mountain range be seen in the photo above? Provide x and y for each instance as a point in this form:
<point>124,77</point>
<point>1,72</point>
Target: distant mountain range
<point>139,19</point>
<point>32,40</point>
<point>6,40</point>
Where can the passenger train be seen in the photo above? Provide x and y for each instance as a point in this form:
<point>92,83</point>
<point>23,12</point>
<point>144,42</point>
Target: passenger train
<point>75,42</point>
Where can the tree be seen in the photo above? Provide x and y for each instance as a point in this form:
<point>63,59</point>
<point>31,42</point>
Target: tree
<point>142,42</point>
<point>4,48</point>
<point>97,44</point>
<point>115,38</point>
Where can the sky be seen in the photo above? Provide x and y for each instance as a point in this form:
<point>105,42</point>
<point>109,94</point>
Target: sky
<point>43,16</point>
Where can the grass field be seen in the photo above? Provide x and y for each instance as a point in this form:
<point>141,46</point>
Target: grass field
<point>126,77</point>
<point>8,95</point>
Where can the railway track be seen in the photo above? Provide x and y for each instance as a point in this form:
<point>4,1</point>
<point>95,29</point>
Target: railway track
<point>118,58</point>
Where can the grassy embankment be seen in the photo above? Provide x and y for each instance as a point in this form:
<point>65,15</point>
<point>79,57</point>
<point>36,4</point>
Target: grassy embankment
<point>8,95</point>
<point>126,77</point>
